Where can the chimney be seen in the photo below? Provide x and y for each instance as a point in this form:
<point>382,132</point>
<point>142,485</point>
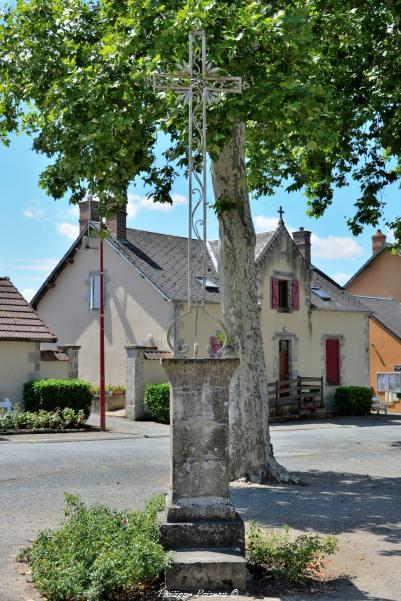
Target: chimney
<point>117,224</point>
<point>302,241</point>
<point>378,241</point>
<point>86,207</point>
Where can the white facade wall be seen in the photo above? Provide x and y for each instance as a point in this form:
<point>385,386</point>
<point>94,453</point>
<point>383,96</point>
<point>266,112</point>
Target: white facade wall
<point>133,311</point>
<point>19,362</point>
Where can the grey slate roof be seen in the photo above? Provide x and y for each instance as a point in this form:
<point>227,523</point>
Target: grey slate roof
<point>18,321</point>
<point>163,260</point>
<point>340,300</point>
<point>386,311</point>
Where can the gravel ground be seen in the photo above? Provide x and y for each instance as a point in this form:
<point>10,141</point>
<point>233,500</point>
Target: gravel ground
<point>351,470</point>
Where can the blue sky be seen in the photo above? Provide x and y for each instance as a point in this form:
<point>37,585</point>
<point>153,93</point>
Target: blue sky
<point>36,231</point>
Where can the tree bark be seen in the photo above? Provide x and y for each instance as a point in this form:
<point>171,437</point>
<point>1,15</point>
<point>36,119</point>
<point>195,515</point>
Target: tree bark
<point>251,452</point>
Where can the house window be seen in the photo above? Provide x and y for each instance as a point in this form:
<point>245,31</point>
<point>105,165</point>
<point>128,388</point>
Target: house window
<point>284,294</point>
<point>94,296</point>
<point>332,361</point>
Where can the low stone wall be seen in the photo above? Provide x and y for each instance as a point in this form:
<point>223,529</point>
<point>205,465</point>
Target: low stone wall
<point>113,402</point>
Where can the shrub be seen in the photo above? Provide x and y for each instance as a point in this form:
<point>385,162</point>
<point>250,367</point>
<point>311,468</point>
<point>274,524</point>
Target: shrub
<point>97,553</point>
<point>353,400</point>
<point>296,560</point>
<point>157,400</point>
<point>58,394</point>
<point>42,420</point>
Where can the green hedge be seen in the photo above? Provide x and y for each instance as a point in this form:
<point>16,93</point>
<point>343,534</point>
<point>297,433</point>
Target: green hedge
<point>50,395</point>
<point>157,400</point>
<point>43,420</point>
<point>353,400</point>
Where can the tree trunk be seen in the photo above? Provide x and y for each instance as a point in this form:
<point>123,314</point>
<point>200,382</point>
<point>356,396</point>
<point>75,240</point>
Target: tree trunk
<point>251,452</point>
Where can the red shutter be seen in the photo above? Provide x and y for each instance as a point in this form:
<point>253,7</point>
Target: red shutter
<point>274,293</point>
<point>295,295</point>
<point>332,361</point>
<point>215,344</point>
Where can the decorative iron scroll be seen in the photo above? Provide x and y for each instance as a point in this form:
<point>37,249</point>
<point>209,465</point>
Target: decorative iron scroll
<point>198,84</point>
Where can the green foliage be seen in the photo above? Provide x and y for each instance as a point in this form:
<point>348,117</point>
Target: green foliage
<point>353,400</point>
<point>42,420</point>
<point>58,394</point>
<point>321,106</point>
<point>97,553</point>
<point>296,559</point>
<point>157,400</point>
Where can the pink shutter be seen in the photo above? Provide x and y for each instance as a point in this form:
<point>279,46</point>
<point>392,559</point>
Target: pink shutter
<point>274,293</point>
<point>332,361</point>
<point>295,295</point>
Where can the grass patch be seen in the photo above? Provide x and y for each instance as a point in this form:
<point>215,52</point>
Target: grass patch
<point>295,559</point>
<point>98,553</point>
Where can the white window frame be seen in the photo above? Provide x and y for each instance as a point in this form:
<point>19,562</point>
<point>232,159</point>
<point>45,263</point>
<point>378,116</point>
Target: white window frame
<point>94,291</point>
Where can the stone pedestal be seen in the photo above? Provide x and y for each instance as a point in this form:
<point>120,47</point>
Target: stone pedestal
<point>134,381</point>
<point>200,523</point>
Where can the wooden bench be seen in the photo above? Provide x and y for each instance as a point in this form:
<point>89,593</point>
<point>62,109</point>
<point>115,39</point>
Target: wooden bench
<point>6,404</point>
<point>378,406</point>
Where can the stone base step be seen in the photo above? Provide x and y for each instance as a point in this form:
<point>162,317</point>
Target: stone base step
<point>226,534</point>
<point>213,570</point>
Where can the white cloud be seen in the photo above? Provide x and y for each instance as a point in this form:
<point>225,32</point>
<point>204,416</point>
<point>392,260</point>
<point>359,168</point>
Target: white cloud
<point>265,224</point>
<point>34,211</point>
<point>335,247</point>
<point>332,247</point>
<point>341,277</point>
<point>28,293</point>
<point>67,230</point>
<point>136,202</point>
<point>390,238</point>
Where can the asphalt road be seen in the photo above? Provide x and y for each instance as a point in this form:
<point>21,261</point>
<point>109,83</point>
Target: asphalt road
<point>352,469</point>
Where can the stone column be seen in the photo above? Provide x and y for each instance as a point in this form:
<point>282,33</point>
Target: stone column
<point>134,381</point>
<point>72,351</point>
<point>199,514</point>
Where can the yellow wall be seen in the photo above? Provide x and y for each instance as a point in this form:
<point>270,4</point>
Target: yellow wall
<point>380,278</point>
<point>19,362</point>
<point>307,330</point>
<point>385,352</point>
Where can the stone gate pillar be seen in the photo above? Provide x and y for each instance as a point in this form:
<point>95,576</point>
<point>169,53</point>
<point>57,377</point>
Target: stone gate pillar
<point>71,350</point>
<point>134,381</point>
<point>200,522</point>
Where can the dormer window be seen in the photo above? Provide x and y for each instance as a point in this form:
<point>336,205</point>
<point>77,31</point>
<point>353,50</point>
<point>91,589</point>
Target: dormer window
<point>209,285</point>
<point>284,294</point>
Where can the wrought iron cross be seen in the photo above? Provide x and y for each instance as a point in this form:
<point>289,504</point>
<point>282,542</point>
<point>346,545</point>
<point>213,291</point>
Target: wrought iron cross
<point>281,213</point>
<point>198,84</point>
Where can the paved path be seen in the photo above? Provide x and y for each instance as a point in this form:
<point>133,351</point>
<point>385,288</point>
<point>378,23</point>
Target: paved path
<point>354,491</point>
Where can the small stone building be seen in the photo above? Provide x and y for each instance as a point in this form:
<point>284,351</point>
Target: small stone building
<point>21,334</point>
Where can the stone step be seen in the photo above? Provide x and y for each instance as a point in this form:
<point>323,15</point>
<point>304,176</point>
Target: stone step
<point>208,570</point>
<point>228,534</point>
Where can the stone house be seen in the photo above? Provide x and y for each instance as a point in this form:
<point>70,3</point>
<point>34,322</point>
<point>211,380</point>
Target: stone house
<point>21,334</point>
<point>311,326</point>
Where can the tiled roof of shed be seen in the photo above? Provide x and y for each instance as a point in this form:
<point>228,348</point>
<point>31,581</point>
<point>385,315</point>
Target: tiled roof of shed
<point>18,321</point>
